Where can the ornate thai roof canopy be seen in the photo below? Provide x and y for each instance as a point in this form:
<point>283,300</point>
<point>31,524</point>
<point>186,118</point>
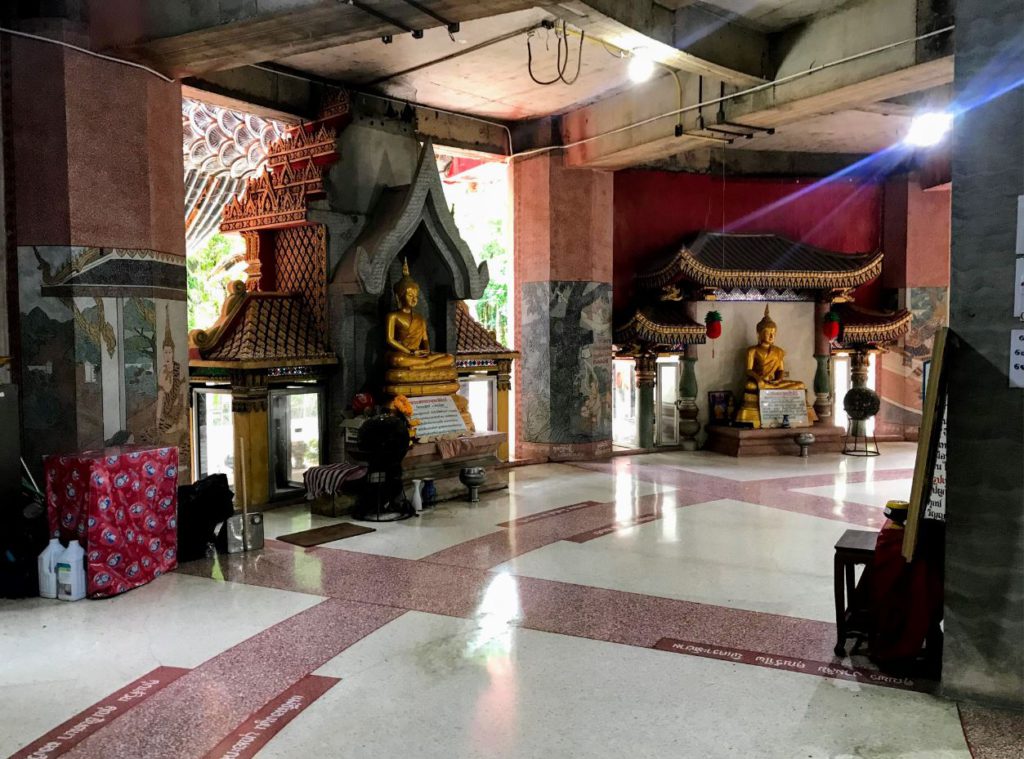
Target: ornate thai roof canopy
<point>260,330</point>
<point>396,216</point>
<point>474,342</point>
<point>222,148</point>
<point>664,323</point>
<point>862,326</point>
<point>723,265</point>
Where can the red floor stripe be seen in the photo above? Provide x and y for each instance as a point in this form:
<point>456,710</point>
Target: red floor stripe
<point>793,664</point>
<point>608,529</point>
<point>66,736</point>
<point>258,728</point>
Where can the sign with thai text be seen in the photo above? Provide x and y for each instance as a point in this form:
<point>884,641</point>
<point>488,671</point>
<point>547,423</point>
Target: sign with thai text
<point>936,506</point>
<point>779,406</point>
<point>438,416</point>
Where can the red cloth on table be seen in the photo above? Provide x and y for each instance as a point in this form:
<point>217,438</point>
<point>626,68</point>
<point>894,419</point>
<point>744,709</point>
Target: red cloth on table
<point>904,601</point>
<point>122,506</point>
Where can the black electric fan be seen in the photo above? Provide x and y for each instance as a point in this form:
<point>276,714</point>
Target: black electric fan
<point>383,442</point>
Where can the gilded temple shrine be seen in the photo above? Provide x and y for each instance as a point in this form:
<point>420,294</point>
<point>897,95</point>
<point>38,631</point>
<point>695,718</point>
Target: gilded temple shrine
<point>741,279</point>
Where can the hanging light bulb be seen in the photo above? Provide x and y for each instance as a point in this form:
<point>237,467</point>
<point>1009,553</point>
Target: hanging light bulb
<point>929,129</point>
<point>641,67</point>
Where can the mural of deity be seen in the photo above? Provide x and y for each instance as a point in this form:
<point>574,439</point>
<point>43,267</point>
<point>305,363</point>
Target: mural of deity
<point>171,397</point>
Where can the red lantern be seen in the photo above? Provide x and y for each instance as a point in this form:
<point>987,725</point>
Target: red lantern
<point>830,325</point>
<point>713,325</point>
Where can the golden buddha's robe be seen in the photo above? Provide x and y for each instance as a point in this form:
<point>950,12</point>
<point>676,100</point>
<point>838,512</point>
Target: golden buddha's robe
<point>766,364</point>
<point>765,370</point>
<point>411,334</point>
<point>418,372</point>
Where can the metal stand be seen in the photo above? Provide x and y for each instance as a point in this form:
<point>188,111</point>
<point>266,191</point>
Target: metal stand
<point>378,481</point>
<point>857,442</point>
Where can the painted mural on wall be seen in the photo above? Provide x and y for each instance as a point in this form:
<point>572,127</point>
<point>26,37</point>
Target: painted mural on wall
<point>103,350</point>
<point>567,391</point>
<point>904,367</point>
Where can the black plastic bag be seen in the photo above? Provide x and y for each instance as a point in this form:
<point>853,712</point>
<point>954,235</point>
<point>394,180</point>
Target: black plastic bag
<point>201,507</point>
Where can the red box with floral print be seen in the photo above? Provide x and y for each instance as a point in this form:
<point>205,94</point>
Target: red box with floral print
<point>122,506</point>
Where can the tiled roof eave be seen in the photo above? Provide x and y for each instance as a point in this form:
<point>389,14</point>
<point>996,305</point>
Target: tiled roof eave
<point>692,269</point>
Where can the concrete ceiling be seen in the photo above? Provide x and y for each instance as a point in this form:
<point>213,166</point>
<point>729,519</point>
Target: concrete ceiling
<point>492,82</point>
<point>769,15</point>
<point>851,131</point>
<point>716,46</point>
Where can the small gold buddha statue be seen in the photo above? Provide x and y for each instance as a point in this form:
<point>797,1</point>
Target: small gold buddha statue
<point>412,369</point>
<point>766,371</point>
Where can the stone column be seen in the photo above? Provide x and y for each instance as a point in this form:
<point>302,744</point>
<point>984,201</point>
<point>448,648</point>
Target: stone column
<point>646,379</point>
<point>98,300</point>
<point>687,401</point>
<point>562,234</point>
<point>823,374</point>
<point>984,623</point>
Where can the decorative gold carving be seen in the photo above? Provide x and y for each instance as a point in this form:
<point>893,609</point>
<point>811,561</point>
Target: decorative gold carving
<point>300,145</point>
<point>263,206</point>
<point>248,392</point>
<point>646,364</point>
<point>337,103</point>
<point>310,177</point>
<point>504,374</point>
<point>203,339</point>
<point>877,333</point>
<point>642,328</point>
<point>253,267</point>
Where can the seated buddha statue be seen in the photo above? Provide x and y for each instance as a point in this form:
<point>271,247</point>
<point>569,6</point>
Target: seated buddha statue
<point>766,371</point>
<point>412,369</point>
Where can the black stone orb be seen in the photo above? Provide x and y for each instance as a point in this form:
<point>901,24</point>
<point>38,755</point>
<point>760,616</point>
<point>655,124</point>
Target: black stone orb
<point>384,439</point>
<point>861,403</point>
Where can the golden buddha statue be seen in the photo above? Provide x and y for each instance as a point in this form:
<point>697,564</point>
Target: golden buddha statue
<point>412,369</point>
<point>766,371</point>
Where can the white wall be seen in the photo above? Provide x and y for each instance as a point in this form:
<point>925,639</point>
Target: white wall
<point>726,371</point>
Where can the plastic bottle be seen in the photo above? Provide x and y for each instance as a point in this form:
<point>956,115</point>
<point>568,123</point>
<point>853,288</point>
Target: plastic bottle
<point>48,568</point>
<point>71,573</point>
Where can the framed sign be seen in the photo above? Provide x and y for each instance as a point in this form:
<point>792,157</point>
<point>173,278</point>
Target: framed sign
<point>928,492</point>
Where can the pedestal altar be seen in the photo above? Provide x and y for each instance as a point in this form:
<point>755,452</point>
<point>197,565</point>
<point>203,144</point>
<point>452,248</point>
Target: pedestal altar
<point>440,461</point>
<point>734,441</point>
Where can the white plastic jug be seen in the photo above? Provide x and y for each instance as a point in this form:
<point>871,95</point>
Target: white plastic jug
<point>417,496</point>
<point>48,568</point>
<point>71,573</point>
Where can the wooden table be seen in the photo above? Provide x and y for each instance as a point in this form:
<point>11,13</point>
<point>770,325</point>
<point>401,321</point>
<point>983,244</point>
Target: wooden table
<point>853,548</point>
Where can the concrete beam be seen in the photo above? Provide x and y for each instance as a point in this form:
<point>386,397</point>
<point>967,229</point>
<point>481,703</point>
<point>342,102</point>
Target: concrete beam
<point>853,81</point>
<point>756,163</point>
<point>292,97</point>
<point>690,40</point>
<point>184,37</point>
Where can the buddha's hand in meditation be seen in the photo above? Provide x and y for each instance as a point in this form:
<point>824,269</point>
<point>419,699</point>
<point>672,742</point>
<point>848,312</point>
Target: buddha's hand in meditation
<point>421,354</point>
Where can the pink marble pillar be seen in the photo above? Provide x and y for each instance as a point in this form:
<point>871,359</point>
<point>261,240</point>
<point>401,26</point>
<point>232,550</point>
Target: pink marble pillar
<point>916,241</point>
<point>98,299</point>
<point>563,309</point>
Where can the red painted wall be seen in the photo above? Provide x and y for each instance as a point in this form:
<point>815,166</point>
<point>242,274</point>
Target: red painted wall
<point>655,210</point>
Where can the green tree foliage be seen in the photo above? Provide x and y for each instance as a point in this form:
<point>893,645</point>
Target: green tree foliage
<point>208,278</point>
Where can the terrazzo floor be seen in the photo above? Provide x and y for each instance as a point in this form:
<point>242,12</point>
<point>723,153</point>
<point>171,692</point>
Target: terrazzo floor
<point>664,605</point>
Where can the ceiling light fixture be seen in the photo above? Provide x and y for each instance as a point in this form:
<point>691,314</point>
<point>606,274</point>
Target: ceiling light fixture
<point>641,67</point>
<point>929,129</point>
